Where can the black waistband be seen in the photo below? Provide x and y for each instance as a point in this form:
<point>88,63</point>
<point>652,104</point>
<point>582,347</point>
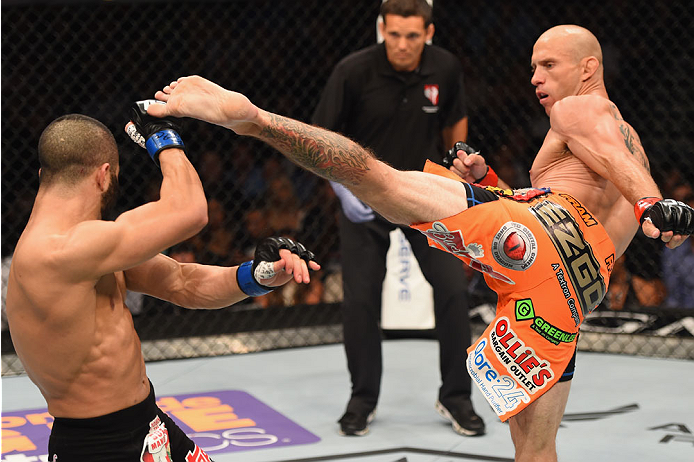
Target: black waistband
<point>126,419</point>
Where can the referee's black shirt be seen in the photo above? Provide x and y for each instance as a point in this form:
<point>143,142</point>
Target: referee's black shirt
<point>399,115</point>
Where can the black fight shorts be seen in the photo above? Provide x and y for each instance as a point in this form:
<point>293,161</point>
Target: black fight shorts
<point>141,433</point>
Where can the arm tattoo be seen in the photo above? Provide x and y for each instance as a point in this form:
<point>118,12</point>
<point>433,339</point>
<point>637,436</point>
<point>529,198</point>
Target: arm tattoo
<point>323,152</point>
<point>631,138</point>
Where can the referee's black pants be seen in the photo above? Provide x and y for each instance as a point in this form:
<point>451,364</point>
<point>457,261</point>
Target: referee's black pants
<point>363,249</point>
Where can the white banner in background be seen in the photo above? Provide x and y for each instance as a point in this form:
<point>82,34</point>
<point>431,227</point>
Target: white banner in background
<point>407,298</point>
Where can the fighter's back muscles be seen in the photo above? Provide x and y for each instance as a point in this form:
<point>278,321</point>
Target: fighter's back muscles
<point>401,197</point>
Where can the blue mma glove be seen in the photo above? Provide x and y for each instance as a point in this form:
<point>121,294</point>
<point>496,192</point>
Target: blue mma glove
<point>268,251</point>
<point>152,133</point>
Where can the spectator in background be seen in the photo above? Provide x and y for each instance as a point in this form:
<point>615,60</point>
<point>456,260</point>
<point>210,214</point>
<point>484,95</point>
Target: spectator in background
<point>279,210</point>
<point>647,276</point>
<point>282,206</point>
<point>183,253</point>
<point>678,268</point>
<point>282,212</point>
<point>405,100</point>
<point>212,172</point>
<point>247,184</point>
<point>255,227</point>
<point>320,224</point>
<point>512,159</point>
<point>213,245</point>
<point>678,265</point>
<point>292,294</point>
<point>636,277</point>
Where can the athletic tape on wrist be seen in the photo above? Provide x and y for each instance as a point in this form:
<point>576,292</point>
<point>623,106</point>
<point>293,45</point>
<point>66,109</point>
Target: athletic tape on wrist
<point>161,140</point>
<point>134,135</point>
<point>247,282</point>
<point>264,270</point>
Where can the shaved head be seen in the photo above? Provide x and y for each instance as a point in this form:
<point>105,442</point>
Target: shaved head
<point>566,61</point>
<point>574,40</point>
<point>74,145</point>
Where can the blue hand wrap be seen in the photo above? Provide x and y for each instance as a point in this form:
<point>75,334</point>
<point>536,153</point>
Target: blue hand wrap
<point>161,140</point>
<point>247,282</point>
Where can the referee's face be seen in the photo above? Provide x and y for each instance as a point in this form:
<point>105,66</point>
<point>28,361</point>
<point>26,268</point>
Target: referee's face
<point>405,38</point>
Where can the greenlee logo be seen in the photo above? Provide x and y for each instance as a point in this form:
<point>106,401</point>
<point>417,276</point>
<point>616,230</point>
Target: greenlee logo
<point>524,309</point>
<point>551,333</point>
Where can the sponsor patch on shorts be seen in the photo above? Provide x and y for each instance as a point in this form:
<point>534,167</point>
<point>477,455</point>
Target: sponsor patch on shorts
<point>524,309</point>
<point>550,332</point>
<point>585,215</point>
<point>452,241</point>
<point>514,246</point>
<point>156,447</point>
<point>506,370</point>
<point>529,370</point>
<point>501,391</point>
<point>582,268</point>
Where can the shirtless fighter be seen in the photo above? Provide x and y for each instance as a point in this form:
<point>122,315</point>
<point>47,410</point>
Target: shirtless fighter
<point>70,270</point>
<point>547,251</point>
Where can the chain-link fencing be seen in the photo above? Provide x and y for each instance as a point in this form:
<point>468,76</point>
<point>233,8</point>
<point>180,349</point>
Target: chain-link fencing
<point>95,58</point>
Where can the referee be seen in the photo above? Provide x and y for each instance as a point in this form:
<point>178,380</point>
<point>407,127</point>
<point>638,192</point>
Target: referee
<point>405,101</point>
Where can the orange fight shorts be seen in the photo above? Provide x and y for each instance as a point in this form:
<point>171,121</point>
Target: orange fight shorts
<point>549,260</point>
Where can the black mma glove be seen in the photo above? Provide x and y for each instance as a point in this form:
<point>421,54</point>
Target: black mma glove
<point>452,153</point>
<point>666,214</point>
<point>261,267</point>
<point>152,133</point>
<point>490,178</point>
